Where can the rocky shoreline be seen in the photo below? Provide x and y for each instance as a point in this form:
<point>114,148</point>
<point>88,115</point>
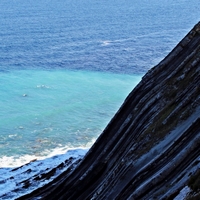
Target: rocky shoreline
<point>151,146</point>
<point>19,181</point>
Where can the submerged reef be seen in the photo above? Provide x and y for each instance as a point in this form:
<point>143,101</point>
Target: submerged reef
<point>150,148</point>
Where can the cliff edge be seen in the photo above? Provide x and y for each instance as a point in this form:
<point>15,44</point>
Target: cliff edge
<point>151,146</point>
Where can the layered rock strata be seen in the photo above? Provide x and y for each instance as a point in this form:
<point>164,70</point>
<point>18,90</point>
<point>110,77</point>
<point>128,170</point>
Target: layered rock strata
<point>152,145</point>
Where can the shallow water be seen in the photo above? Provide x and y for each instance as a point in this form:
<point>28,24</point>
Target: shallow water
<point>44,110</point>
<point>66,66</point>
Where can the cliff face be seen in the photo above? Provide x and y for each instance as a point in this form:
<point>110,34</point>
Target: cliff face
<point>151,146</point>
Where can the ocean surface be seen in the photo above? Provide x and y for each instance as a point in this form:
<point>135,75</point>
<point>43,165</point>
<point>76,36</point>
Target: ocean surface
<point>66,66</point>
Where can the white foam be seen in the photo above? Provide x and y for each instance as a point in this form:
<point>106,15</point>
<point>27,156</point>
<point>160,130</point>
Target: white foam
<point>120,40</point>
<point>106,42</point>
<point>8,184</point>
<point>16,161</point>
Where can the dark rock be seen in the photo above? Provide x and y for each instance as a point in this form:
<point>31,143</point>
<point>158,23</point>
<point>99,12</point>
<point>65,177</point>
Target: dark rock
<point>149,148</point>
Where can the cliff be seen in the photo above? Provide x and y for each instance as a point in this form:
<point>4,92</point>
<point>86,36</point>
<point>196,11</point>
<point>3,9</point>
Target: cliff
<point>151,146</point>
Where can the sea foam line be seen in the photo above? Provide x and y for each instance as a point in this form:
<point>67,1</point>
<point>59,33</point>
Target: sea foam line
<point>18,181</point>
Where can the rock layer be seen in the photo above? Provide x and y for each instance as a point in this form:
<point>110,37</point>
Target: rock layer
<point>151,146</point>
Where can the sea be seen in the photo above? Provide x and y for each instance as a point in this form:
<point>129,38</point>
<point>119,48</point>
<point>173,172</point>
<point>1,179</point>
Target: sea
<point>66,66</point>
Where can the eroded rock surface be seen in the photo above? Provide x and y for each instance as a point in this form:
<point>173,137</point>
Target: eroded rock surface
<point>152,144</point>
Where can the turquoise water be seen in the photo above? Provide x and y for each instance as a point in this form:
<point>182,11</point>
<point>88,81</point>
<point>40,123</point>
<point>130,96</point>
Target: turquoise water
<point>66,66</point>
<point>44,109</point>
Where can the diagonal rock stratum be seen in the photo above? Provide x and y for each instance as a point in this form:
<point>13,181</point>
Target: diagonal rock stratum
<point>151,146</point>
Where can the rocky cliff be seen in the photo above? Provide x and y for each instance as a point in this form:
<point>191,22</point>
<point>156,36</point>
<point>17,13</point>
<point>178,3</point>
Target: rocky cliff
<point>152,145</point>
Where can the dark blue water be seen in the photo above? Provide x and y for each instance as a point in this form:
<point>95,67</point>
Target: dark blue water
<point>67,65</point>
<point>74,34</point>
